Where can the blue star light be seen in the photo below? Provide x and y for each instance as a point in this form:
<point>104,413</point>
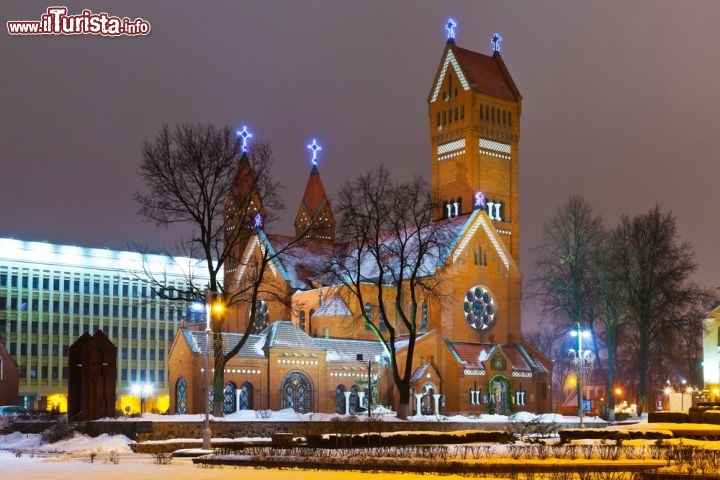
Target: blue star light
<point>315,149</point>
<point>450,27</point>
<point>245,134</point>
<point>495,41</point>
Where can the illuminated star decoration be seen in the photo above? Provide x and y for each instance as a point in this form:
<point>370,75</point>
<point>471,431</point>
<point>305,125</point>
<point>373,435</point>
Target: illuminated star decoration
<point>450,27</point>
<point>496,39</point>
<point>315,149</point>
<point>257,221</point>
<point>479,200</point>
<point>245,135</point>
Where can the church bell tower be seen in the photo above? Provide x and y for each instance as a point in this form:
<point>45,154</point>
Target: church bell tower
<point>474,112</point>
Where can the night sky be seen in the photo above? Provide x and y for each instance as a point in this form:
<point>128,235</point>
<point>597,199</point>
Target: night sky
<point>621,104</point>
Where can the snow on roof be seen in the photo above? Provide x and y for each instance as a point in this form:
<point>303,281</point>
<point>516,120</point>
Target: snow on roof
<point>334,306</point>
<point>342,350</point>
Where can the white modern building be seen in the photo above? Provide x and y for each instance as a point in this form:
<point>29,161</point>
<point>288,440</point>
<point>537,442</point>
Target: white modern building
<point>51,294</point>
<point>711,353</point>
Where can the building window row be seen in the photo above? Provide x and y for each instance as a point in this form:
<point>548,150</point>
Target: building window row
<point>496,115</point>
<point>50,281</point>
<point>451,114</point>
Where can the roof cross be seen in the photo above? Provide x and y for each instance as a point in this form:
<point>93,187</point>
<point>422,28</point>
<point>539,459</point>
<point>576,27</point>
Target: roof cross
<point>450,27</point>
<point>315,149</point>
<point>245,134</point>
<point>496,39</point>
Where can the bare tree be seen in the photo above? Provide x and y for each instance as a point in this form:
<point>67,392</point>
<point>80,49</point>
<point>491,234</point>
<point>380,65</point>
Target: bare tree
<point>654,271</point>
<point>390,260</point>
<point>565,281</point>
<point>197,175</point>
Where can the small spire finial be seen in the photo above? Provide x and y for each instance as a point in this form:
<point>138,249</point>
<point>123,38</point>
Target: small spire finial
<point>245,134</point>
<point>450,27</point>
<point>495,41</point>
<point>315,149</point>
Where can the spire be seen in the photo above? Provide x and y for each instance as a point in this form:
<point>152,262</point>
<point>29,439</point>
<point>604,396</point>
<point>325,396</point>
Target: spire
<point>315,218</point>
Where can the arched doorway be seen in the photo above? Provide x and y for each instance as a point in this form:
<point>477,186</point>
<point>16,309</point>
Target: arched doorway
<point>498,395</point>
<point>427,404</point>
<point>181,396</point>
<point>229,398</point>
<point>296,392</point>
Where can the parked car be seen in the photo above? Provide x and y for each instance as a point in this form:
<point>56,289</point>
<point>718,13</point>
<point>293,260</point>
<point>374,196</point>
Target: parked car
<point>13,411</point>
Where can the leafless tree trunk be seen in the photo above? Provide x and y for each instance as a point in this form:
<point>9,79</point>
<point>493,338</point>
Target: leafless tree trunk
<point>193,176</point>
<point>393,246</point>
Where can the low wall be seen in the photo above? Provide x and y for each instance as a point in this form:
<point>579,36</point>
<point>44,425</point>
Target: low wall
<point>266,429</point>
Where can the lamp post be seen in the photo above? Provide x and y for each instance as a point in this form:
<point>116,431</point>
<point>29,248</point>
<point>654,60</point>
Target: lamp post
<point>142,390</point>
<point>582,362</point>
<point>213,305</point>
<point>369,377</point>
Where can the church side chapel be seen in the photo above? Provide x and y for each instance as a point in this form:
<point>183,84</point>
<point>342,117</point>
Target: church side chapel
<point>310,349</point>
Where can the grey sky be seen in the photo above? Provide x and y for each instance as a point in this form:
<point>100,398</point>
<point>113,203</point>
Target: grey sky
<point>620,104</point>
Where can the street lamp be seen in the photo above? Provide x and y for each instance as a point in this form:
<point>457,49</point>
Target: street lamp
<point>141,390</point>
<point>213,305</point>
<point>370,363</point>
<point>583,362</point>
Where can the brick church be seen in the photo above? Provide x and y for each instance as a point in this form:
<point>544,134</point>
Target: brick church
<point>310,350</point>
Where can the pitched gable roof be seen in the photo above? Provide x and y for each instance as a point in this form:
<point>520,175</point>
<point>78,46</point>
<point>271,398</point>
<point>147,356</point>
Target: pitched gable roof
<point>483,73</point>
<point>334,306</point>
<point>474,355</point>
<point>479,220</point>
<point>284,334</point>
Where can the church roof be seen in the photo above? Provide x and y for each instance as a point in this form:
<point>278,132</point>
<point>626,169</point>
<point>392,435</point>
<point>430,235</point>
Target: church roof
<point>304,260</point>
<point>341,350</point>
<point>284,334</point>
<point>475,355</point>
<point>253,348</point>
<point>483,73</point>
<point>486,74</point>
<point>334,306</point>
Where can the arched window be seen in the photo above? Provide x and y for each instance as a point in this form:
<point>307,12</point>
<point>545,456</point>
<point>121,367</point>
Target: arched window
<point>229,398</point>
<point>424,315</point>
<point>261,316</point>
<point>302,320</point>
<point>296,393</point>
<point>340,399</point>
<point>368,315</point>
<point>354,400</point>
<point>181,396</point>
<point>245,397</point>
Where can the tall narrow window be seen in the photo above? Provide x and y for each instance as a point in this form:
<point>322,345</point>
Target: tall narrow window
<point>368,315</point>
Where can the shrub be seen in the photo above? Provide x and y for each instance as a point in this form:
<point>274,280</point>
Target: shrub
<point>668,417</point>
<point>56,433</point>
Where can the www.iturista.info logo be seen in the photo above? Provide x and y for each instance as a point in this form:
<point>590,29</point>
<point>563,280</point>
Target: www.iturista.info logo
<point>57,22</point>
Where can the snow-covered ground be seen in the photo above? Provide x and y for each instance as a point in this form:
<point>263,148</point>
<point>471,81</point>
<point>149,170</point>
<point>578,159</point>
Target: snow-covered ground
<point>24,456</point>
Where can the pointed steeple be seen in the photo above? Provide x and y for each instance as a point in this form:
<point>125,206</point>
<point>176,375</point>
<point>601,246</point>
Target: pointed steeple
<point>244,214</point>
<point>315,218</point>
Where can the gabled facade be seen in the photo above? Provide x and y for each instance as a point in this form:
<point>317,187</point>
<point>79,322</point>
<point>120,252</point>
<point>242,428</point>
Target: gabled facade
<point>469,355</point>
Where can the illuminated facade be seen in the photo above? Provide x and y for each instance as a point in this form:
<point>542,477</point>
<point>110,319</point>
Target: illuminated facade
<point>51,294</point>
<point>711,353</point>
<point>469,356</point>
